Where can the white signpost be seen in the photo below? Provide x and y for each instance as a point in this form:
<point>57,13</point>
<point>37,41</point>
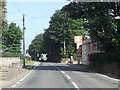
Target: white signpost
<point>78,40</point>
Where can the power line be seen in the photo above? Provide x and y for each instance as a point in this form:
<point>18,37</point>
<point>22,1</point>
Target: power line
<point>38,16</point>
<point>17,8</point>
<point>29,18</point>
<point>14,20</point>
<point>26,17</point>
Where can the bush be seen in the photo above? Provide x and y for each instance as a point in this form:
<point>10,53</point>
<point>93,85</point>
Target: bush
<point>9,54</point>
<point>104,58</point>
<point>105,63</point>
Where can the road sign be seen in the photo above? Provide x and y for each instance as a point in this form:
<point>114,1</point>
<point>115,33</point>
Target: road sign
<point>78,39</point>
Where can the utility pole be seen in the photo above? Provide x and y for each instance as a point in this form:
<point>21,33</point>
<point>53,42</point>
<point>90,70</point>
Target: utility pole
<point>64,43</point>
<point>23,41</point>
<point>64,48</point>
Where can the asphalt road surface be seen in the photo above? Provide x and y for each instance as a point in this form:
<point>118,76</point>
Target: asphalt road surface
<point>56,75</point>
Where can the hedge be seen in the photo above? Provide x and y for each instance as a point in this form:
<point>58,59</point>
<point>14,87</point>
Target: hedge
<point>104,58</point>
<point>9,54</point>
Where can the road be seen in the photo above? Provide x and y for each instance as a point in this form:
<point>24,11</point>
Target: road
<point>56,75</point>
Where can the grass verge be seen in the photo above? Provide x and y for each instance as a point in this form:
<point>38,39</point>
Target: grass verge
<point>27,62</point>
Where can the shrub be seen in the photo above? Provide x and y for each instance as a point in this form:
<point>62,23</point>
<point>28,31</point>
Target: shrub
<point>9,54</point>
<point>104,58</point>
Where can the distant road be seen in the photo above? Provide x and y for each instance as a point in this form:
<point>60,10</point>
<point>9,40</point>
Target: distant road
<point>56,75</point>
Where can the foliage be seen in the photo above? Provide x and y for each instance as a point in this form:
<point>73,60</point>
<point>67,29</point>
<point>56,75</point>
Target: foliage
<point>62,28</point>
<point>73,19</point>
<point>36,47</point>
<point>2,11</point>
<point>99,21</point>
<point>11,35</point>
<point>3,33</point>
<point>106,63</point>
<point>9,54</point>
<point>27,62</point>
<point>11,38</point>
<point>98,59</point>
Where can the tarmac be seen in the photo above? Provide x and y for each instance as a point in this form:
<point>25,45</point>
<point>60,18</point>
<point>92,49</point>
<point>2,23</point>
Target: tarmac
<point>5,82</point>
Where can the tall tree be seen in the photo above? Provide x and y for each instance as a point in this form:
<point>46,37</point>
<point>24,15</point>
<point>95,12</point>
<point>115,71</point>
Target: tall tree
<point>36,47</point>
<point>3,22</point>
<point>61,31</point>
<point>3,36</point>
<point>12,39</point>
<point>2,10</point>
<point>99,18</point>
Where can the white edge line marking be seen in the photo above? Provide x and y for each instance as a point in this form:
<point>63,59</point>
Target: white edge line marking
<point>26,76</point>
<point>23,78</point>
<point>14,86</point>
<point>68,76</point>
<point>75,85</point>
<point>107,77</point>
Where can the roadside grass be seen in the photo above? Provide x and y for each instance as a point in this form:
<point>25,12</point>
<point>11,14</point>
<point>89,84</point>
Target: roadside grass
<point>27,62</point>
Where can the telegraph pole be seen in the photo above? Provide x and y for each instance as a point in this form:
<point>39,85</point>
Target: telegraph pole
<point>64,43</point>
<point>23,41</point>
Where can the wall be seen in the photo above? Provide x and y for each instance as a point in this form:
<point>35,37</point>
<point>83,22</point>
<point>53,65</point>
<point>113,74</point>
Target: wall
<point>9,67</point>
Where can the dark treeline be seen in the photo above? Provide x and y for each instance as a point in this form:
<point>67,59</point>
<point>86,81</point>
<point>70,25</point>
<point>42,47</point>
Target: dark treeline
<point>94,19</point>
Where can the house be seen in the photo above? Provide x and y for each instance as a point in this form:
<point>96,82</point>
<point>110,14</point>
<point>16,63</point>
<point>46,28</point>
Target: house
<point>88,47</point>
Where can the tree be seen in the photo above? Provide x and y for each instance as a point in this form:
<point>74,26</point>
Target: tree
<point>3,36</point>
<point>11,34</point>
<point>62,29</point>
<point>36,47</point>
<point>2,11</point>
<point>12,39</point>
<point>99,22</point>
<point>3,22</point>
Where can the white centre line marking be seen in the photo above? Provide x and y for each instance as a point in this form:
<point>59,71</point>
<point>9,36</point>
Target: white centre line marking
<point>14,86</point>
<point>68,76</point>
<point>63,72</point>
<point>75,85</point>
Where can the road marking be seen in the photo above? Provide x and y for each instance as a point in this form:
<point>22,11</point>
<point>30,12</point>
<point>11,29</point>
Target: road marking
<point>107,77</point>
<point>26,76</point>
<point>63,72</point>
<point>17,82</point>
<point>75,85</point>
<point>51,64</point>
<point>68,76</point>
<point>14,86</point>
<point>37,64</point>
